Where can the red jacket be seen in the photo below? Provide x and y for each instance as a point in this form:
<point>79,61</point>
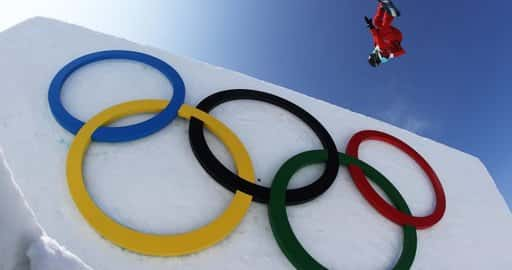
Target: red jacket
<point>388,39</point>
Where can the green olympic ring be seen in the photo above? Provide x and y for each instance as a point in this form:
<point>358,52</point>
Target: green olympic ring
<point>283,232</point>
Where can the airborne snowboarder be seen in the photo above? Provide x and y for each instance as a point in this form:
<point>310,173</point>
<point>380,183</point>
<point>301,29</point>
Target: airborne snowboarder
<point>386,38</point>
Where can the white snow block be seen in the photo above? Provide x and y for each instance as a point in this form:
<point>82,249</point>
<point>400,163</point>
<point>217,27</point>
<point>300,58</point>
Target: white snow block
<point>46,254</point>
<point>156,185</point>
<point>23,244</point>
<point>18,227</point>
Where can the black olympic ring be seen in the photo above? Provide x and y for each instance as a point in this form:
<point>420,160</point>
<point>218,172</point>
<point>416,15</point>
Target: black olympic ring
<point>233,182</point>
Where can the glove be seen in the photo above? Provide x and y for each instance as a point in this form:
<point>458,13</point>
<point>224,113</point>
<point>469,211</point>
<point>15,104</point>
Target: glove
<point>369,22</point>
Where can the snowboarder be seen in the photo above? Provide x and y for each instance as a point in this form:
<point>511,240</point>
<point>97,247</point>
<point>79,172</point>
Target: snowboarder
<point>386,38</point>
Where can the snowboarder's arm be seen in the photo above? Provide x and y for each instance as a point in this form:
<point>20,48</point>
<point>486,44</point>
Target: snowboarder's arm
<point>397,49</point>
<point>369,22</point>
<point>399,53</point>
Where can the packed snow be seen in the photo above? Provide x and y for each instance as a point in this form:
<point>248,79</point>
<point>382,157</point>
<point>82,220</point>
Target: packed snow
<point>23,243</point>
<point>18,226</point>
<point>47,254</point>
<point>156,185</point>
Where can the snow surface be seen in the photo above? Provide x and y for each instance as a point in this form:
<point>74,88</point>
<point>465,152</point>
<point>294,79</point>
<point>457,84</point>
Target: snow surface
<point>18,226</point>
<point>47,254</point>
<point>20,233</point>
<point>156,184</point>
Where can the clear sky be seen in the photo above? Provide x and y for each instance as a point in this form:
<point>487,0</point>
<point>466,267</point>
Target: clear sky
<point>453,85</point>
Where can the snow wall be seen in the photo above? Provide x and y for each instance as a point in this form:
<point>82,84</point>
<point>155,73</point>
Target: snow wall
<point>156,185</point>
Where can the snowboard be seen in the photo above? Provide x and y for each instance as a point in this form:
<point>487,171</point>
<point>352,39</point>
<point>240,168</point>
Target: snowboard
<point>390,7</point>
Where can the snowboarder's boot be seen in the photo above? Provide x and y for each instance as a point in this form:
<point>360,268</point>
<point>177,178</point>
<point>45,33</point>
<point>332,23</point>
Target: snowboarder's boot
<point>390,7</point>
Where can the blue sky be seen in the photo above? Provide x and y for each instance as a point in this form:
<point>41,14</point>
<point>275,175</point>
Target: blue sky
<point>453,85</point>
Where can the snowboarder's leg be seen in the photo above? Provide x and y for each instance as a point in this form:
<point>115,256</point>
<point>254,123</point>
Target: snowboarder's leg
<point>387,20</point>
<point>379,15</point>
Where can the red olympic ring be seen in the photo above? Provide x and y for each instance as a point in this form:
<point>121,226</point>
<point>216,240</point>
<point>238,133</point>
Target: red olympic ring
<point>376,200</point>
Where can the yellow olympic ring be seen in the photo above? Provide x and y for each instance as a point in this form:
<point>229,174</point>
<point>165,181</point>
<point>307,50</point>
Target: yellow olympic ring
<point>153,244</point>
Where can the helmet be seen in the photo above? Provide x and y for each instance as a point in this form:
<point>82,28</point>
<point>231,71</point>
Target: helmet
<point>374,60</point>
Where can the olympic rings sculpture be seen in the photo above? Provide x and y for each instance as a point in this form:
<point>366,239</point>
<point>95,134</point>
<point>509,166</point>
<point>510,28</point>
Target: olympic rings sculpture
<point>242,183</point>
